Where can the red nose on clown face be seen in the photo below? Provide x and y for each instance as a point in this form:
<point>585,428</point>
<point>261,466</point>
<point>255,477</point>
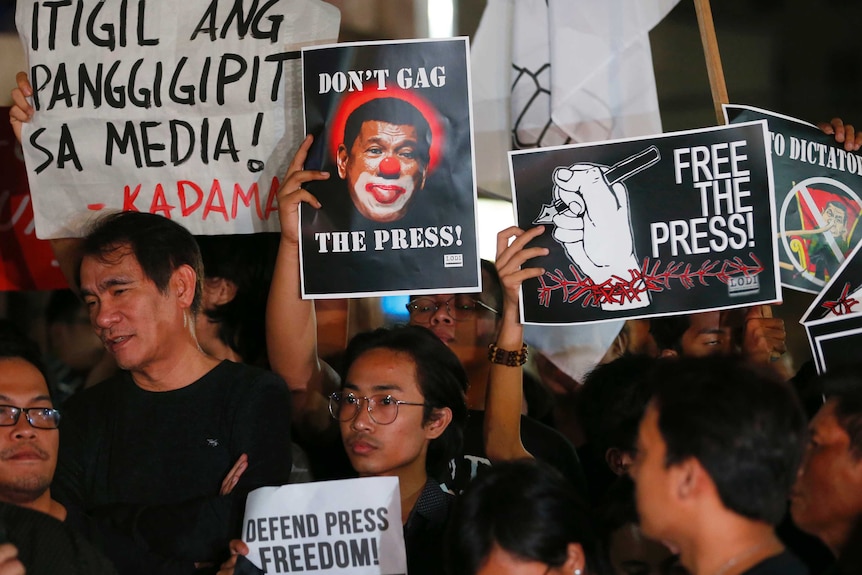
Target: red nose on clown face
<point>389,167</point>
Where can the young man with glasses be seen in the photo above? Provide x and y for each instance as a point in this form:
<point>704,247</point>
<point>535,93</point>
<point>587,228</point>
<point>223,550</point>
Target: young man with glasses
<point>466,323</point>
<point>29,439</point>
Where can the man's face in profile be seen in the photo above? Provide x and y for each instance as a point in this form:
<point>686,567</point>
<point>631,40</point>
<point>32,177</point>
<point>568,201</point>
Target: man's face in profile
<point>383,169</point>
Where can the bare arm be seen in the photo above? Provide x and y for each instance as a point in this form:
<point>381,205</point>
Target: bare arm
<point>66,250</point>
<point>291,326</point>
<point>502,427</point>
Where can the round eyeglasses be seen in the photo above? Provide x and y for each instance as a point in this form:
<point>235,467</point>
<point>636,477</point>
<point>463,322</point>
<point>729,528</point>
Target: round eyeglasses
<point>38,417</point>
<point>459,307</point>
<point>383,409</point>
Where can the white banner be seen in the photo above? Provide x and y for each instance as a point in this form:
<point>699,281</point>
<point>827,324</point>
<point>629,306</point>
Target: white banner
<point>351,526</point>
<point>190,110</point>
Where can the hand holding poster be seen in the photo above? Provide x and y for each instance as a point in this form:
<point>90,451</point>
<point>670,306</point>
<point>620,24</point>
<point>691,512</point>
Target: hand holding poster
<point>392,126</point>
<point>675,223</point>
<point>818,187</point>
<point>185,109</point>
<point>351,526</point>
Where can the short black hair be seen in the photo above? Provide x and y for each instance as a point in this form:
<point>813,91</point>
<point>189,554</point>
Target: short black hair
<point>667,331</point>
<point>160,245</point>
<point>745,427</point>
<point>15,345</point>
<point>612,402</point>
<point>526,508</point>
<point>392,111</point>
<point>441,378</point>
<point>248,262</point>
<point>844,388</point>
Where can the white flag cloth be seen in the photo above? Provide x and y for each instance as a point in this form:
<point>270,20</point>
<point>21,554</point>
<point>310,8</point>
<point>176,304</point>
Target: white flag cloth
<point>558,71</point>
<point>550,72</point>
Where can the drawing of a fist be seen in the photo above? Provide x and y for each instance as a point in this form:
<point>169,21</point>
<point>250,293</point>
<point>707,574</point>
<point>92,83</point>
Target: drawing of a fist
<point>595,230</point>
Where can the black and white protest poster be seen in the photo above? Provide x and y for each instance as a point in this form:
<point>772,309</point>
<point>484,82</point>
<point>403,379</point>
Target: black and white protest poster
<point>818,186</point>
<point>190,110</point>
<point>835,342</point>
<point>841,297</point>
<point>667,224</point>
<point>393,127</point>
<point>349,526</point>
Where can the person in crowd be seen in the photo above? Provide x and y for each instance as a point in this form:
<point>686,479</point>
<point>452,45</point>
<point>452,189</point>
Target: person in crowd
<point>29,424</point>
<point>28,459</point>
<point>627,550</point>
<point>469,325</point>
<point>401,413</point>
<point>717,453</point>
<point>400,409</point>
<point>610,406</point>
<point>141,277</point>
<point>76,357</point>
<point>521,517</point>
<point>464,322</point>
<point>237,275</point>
<point>827,498</point>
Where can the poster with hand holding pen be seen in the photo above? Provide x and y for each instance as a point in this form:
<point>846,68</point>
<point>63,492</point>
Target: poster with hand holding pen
<point>668,224</point>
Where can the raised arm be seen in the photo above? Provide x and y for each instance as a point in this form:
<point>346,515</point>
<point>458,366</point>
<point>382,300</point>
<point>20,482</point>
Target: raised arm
<point>291,326</point>
<point>502,427</point>
<point>67,251</point>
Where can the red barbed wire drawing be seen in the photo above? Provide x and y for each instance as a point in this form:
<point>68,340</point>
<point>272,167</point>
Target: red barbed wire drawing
<point>618,290</point>
<point>844,304</point>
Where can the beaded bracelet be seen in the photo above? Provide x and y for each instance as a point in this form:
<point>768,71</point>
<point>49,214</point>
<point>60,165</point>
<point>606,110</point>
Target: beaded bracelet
<point>509,358</point>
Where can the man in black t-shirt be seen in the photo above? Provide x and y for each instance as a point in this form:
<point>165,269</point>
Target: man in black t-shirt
<point>717,452</point>
<point>147,451</point>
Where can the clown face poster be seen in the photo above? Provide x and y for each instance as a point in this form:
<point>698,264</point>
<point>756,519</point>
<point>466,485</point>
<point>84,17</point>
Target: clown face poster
<point>818,186</point>
<point>392,125</point>
<point>670,224</point>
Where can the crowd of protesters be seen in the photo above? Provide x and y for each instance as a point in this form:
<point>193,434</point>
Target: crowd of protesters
<point>204,381</point>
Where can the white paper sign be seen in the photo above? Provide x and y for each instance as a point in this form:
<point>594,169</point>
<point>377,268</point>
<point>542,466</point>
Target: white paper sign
<point>190,110</point>
<point>351,526</point>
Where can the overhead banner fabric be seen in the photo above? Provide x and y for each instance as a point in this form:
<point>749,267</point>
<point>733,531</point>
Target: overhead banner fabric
<point>392,126</point>
<point>670,224</point>
<point>190,110</point>
<point>350,526</point>
<point>818,186</point>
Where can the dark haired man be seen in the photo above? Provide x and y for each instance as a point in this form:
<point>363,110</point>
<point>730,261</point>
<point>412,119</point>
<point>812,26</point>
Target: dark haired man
<point>147,449</point>
<point>827,498</point>
<point>384,157</point>
<point>718,449</point>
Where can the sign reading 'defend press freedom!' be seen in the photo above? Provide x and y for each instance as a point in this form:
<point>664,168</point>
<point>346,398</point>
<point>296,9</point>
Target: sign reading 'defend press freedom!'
<point>392,126</point>
<point>351,526</point>
<point>669,224</point>
<point>190,110</point>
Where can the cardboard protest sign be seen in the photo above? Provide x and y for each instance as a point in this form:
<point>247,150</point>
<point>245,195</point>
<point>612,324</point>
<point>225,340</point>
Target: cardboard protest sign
<point>818,186</point>
<point>670,224</point>
<point>351,526</point>
<point>392,126</point>
<point>835,343</point>
<point>26,262</point>
<point>190,110</point>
